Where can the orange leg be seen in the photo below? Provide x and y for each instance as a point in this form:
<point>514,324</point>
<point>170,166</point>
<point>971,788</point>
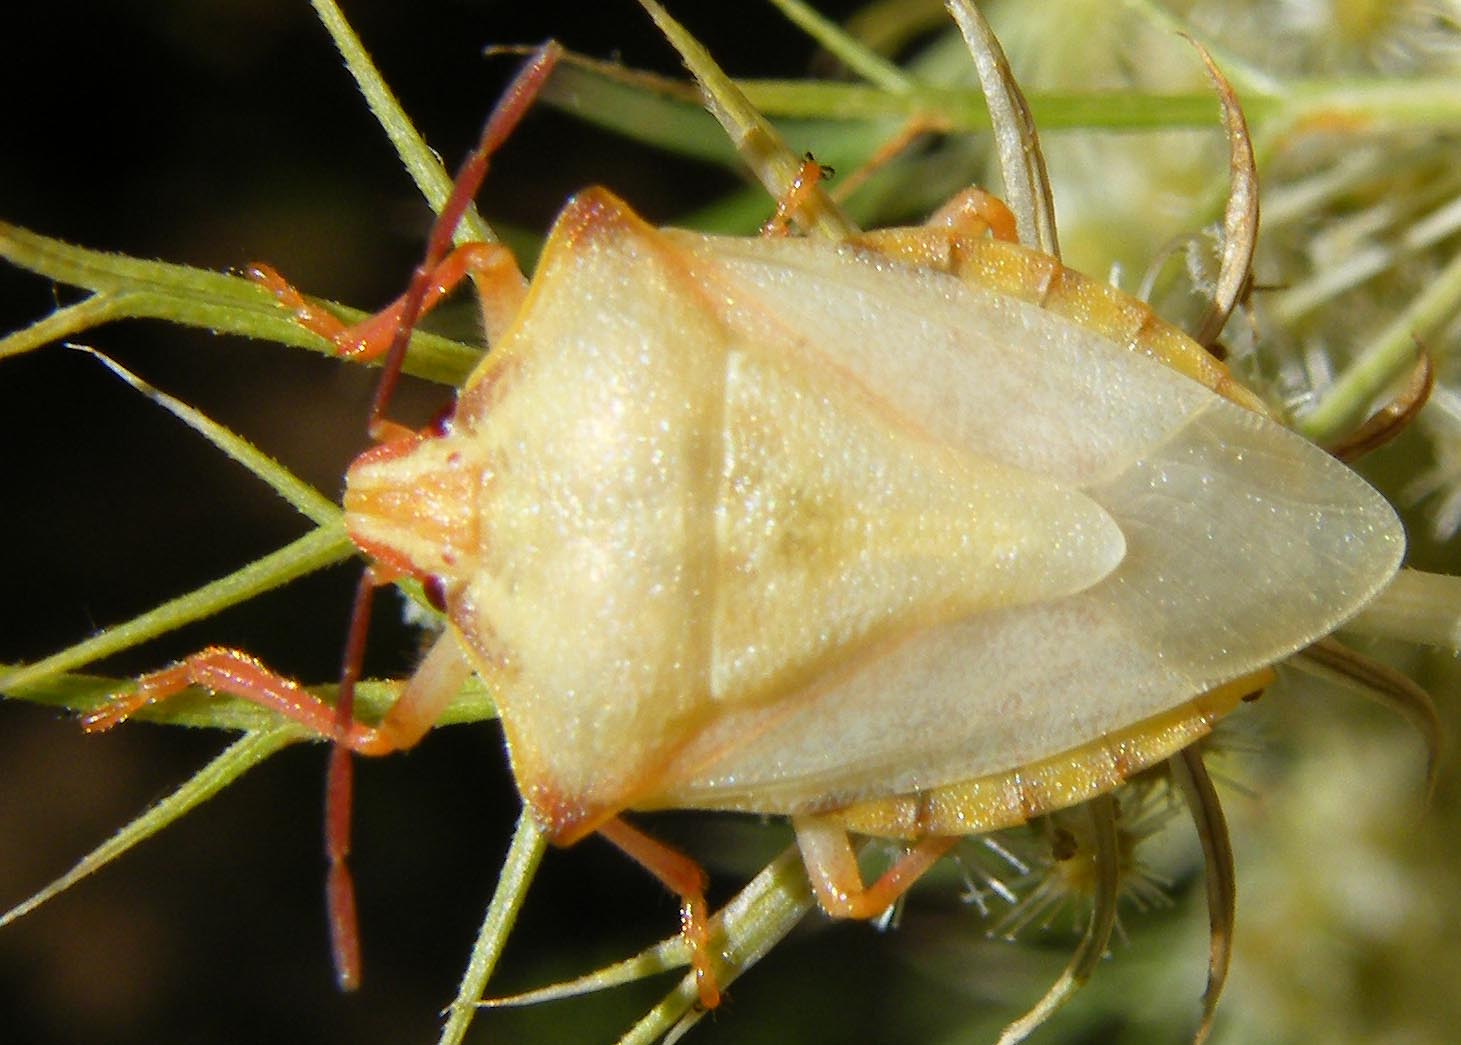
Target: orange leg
<point>441,674</point>
<point>913,129</point>
<point>802,186</point>
<point>683,877</point>
<point>221,670</point>
<point>426,694</point>
<point>506,115</point>
<point>974,211</point>
<point>836,879</point>
<point>501,290</point>
<point>500,284</point>
<point>939,243</point>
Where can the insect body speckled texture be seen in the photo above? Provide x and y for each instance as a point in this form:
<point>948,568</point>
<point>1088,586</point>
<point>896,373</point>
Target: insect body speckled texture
<point>912,533</point>
<point>808,576</point>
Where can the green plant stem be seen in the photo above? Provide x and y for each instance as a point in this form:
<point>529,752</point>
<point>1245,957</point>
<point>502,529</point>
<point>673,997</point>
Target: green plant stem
<point>317,549</point>
<point>518,868</point>
<point>1393,352</point>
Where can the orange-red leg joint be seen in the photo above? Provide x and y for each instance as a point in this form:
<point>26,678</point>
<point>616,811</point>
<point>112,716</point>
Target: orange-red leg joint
<point>973,212</point>
<point>681,876</point>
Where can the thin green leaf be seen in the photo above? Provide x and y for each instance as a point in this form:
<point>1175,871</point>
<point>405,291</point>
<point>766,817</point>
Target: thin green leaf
<point>761,915</point>
<point>1418,607</point>
<point>659,111</point>
<point>1249,78</point>
<point>317,549</point>
<point>241,756</point>
<point>889,26</point>
<point>662,957</point>
<point>653,110</point>
<point>130,288</point>
<point>419,160</point>
<point>198,708</point>
<point>1393,104</point>
<point>871,66</point>
<point>65,322</point>
<point>305,498</point>
<point>758,143</point>
<point>69,692</point>
<point>963,109</point>
<point>518,868</point>
<point>758,918</point>
<point>1388,359</point>
<point>668,114</point>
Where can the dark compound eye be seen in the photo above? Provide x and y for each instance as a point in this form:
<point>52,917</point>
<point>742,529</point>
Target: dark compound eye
<point>435,591</point>
<point>441,424</point>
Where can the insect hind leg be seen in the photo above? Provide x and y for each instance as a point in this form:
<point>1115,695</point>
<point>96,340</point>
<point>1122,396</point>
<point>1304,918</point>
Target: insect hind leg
<point>973,212</point>
<point>837,882</point>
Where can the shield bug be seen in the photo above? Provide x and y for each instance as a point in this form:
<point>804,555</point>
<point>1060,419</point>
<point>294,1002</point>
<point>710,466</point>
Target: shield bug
<point>912,534</point>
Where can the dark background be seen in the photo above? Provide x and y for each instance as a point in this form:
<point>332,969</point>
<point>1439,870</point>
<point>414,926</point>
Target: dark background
<point>215,134</point>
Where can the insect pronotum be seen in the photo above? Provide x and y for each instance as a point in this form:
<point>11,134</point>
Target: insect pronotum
<point>913,534</point>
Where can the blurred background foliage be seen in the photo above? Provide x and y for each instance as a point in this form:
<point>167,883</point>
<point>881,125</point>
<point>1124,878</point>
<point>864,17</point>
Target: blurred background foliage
<point>222,133</point>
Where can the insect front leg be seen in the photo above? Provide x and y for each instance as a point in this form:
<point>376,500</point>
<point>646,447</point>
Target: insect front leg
<point>832,867</point>
<point>500,285</point>
<point>222,670</point>
<point>502,288</point>
<point>798,194</point>
<point>218,669</point>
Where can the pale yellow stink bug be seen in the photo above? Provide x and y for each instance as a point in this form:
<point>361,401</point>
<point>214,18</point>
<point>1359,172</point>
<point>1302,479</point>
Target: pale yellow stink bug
<point>911,534</point>
<point>914,535</point>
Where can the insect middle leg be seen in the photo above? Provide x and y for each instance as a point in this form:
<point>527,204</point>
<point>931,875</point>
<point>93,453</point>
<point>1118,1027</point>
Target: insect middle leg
<point>437,679</point>
<point>683,877</point>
